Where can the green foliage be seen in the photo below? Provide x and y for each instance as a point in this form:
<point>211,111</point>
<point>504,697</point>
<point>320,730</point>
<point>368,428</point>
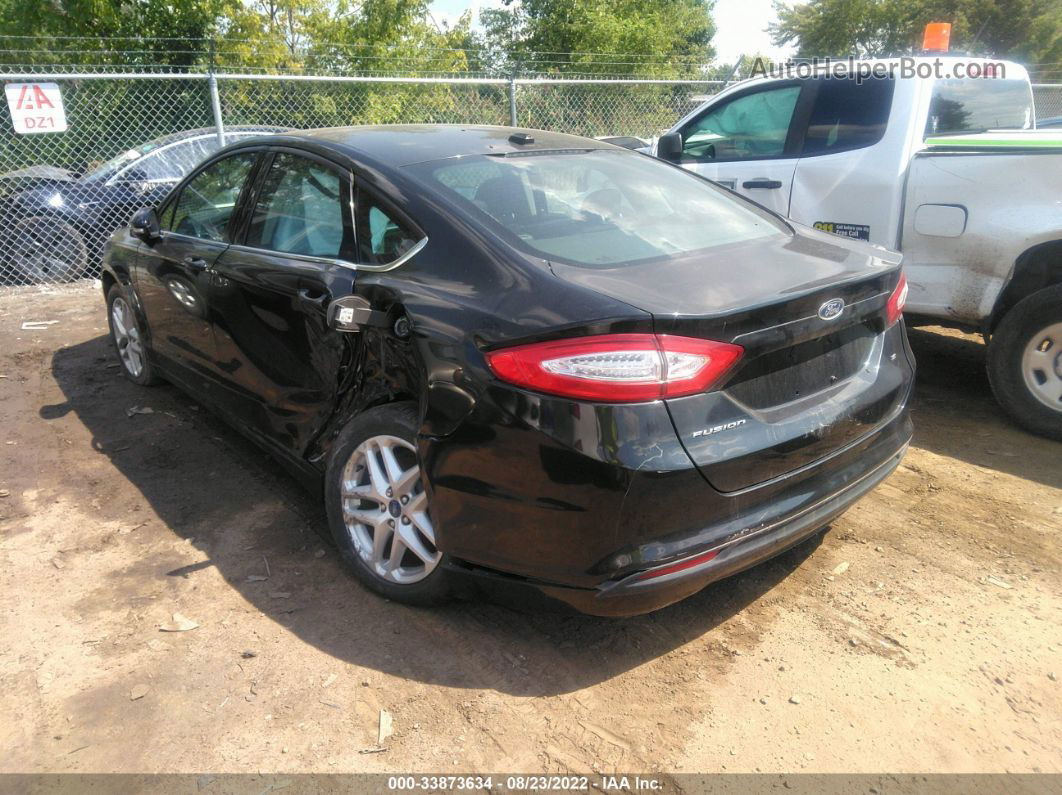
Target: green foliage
<point>661,38</point>
<point>1025,30</point>
<point>134,32</point>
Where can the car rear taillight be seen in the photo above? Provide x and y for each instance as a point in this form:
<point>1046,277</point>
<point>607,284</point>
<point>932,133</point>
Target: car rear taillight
<point>897,301</point>
<point>616,368</point>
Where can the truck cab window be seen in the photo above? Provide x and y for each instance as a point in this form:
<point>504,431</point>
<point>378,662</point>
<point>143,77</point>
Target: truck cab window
<point>750,126</point>
<point>848,115</point>
<point>967,105</point>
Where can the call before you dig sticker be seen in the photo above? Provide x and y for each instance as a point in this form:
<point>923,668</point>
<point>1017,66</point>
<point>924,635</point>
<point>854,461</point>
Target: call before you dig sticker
<point>855,231</point>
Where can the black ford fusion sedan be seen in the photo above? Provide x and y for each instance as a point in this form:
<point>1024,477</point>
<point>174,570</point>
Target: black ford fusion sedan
<point>519,359</point>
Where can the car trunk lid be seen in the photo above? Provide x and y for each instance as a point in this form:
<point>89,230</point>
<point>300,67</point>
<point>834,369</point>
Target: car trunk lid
<point>820,367</point>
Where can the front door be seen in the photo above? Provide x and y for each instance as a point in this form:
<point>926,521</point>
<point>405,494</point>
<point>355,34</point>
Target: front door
<point>174,273</point>
<point>743,142</point>
<point>281,363</point>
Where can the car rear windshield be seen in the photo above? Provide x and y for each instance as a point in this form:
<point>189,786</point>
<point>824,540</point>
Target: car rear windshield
<point>598,208</point>
<point>972,104</point>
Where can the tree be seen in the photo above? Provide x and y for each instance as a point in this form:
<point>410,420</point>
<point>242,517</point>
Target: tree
<point>1026,30</point>
<point>130,32</point>
<point>631,37</point>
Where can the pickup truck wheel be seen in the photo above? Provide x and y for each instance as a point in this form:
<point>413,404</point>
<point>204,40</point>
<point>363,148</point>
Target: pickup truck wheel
<point>1025,362</point>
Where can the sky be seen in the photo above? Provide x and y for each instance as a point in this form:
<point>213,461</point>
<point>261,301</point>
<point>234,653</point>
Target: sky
<point>739,24</point>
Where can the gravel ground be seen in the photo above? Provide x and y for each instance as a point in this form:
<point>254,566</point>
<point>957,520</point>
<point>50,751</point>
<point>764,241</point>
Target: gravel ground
<point>920,634</point>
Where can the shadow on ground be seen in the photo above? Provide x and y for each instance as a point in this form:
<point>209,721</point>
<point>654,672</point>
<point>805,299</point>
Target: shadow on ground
<point>956,415</point>
<point>205,482</point>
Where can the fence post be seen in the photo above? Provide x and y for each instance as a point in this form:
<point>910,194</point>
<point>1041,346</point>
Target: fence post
<point>512,100</point>
<point>215,105</point>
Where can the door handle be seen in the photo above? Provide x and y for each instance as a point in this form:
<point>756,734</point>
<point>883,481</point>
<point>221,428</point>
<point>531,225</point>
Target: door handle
<point>762,183</point>
<point>195,262</point>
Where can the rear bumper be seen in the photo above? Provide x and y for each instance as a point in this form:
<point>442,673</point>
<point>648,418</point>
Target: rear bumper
<point>759,524</point>
<point>633,595</point>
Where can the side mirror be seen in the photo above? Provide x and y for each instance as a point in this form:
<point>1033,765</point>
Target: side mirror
<point>669,147</point>
<point>145,225</point>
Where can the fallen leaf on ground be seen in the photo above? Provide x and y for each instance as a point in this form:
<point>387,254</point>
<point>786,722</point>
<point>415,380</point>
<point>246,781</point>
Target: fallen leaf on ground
<point>179,624</point>
<point>386,727</point>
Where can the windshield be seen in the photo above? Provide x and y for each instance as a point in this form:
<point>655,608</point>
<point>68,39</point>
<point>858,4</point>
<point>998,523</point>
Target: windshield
<point>597,207</point>
<point>971,104</point>
<point>167,161</point>
<point>108,167</point>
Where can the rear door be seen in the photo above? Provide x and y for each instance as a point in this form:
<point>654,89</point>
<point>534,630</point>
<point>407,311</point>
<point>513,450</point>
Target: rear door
<point>746,142</point>
<point>849,178</point>
<point>174,273</point>
<point>281,362</point>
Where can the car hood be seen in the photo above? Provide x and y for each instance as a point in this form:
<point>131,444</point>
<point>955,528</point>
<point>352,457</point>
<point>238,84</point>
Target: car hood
<point>740,276</point>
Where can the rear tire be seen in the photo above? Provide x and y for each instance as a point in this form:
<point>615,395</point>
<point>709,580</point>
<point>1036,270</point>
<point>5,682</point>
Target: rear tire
<point>378,509</point>
<point>129,338</point>
<point>1025,362</point>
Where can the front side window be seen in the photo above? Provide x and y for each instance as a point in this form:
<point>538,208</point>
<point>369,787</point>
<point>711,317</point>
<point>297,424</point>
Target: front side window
<point>596,208</point>
<point>969,105</point>
<point>204,206</point>
<point>750,126</point>
<point>300,209</point>
<point>847,114</point>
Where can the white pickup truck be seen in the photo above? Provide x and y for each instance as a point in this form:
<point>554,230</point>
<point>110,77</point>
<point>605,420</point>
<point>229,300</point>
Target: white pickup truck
<point>945,169</point>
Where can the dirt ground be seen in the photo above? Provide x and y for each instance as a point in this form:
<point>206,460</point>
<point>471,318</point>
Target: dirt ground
<point>922,633</point>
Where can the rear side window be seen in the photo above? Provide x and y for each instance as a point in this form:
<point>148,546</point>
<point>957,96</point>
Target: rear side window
<point>750,126</point>
<point>382,236</point>
<point>966,105</point>
<point>848,115</point>
<point>299,209</point>
<point>205,205</point>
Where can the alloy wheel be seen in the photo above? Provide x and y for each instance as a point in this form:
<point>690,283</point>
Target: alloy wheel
<point>1042,366</point>
<point>385,510</point>
<point>127,337</point>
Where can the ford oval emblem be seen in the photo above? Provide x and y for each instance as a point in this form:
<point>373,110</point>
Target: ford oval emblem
<point>833,308</point>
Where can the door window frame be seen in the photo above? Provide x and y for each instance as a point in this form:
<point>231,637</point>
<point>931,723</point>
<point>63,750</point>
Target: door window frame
<point>232,228</point>
<point>798,122</point>
<point>363,188</point>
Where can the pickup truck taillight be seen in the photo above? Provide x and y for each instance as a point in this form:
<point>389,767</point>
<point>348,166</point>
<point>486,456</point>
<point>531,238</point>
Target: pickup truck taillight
<point>616,368</point>
<point>897,301</point>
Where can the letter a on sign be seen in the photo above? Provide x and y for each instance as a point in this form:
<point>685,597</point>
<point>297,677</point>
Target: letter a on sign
<point>35,107</point>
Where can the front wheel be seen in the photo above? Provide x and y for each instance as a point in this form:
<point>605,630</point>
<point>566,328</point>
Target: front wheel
<point>1025,362</point>
<point>378,508</point>
<point>128,338</point>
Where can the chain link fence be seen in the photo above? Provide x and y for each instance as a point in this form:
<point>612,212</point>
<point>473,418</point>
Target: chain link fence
<point>131,136</point>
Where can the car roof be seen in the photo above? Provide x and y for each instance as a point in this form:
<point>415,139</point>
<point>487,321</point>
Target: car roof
<point>235,129</point>
<point>400,145</point>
